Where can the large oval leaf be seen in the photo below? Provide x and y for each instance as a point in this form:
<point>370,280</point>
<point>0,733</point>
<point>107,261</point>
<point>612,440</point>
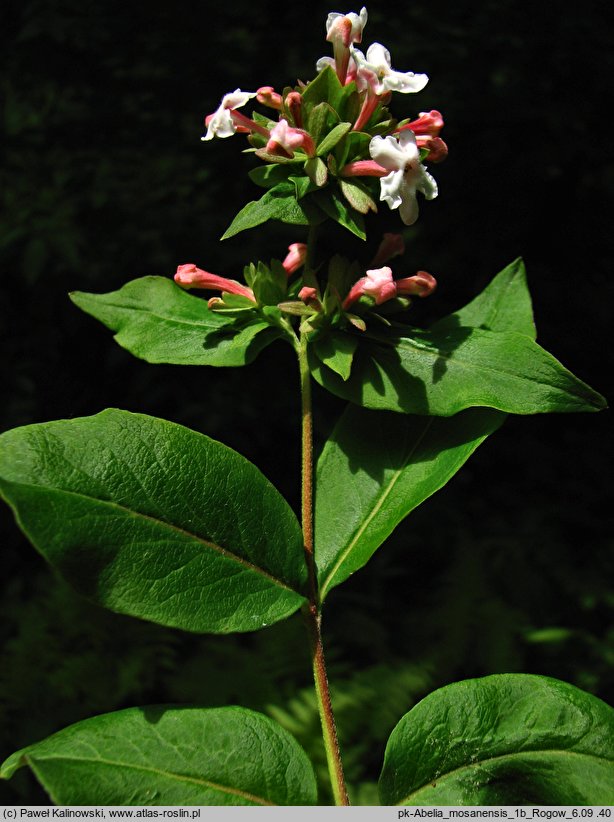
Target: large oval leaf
<point>383,465</point>
<point>151,519</point>
<point>378,466</point>
<point>442,372</point>
<point>159,322</point>
<point>508,739</point>
<point>171,756</point>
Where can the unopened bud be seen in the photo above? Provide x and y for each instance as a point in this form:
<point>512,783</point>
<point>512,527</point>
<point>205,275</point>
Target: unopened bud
<point>267,96</point>
<point>438,150</point>
<point>392,245</point>
<point>294,103</point>
<point>309,295</point>
<point>295,258</point>
<point>420,285</point>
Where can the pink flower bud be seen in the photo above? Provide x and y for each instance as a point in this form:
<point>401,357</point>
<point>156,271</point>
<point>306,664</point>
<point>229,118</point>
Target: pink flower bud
<point>283,139</point>
<point>438,150</point>
<point>392,245</point>
<point>428,123</point>
<point>267,96</point>
<point>420,285</point>
<point>189,276</point>
<point>309,295</point>
<point>294,103</point>
<point>363,168</point>
<point>295,257</point>
<point>377,283</point>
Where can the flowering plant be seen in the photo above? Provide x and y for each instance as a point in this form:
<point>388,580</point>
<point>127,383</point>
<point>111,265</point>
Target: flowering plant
<point>154,520</point>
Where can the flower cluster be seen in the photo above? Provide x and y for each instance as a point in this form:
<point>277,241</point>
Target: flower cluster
<point>396,151</point>
<point>333,147</point>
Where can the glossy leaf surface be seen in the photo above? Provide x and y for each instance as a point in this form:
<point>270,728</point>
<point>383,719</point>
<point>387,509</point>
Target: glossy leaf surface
<point>151,519</point>
<point>279,203</point>
<point>485,354</point>
<point>159,322</point>
<point>378,466</point>
<point>504,305</point>
<point>442,372</point>
<point>508,739</point>
<point>171,756</point>
<point>375,468</point>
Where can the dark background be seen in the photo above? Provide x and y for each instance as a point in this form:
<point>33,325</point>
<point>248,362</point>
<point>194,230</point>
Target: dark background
<point>105,179</point>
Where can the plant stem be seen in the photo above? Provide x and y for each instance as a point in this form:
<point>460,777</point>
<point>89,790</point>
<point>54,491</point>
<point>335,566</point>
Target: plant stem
<point>311,612</point>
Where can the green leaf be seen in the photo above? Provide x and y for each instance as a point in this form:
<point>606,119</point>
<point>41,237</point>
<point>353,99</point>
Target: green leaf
<point>510,739</point>
<point>375,469</point>
<point>269,176</point>
<point>337,352</point>
<point>324,88</point>
<point>151,519</point>
<point>317,171</point>
<point>159,322</point>
<point>279,203</point>
<point>270,283</point>
<point>358,196</point>
<point>332,138</point>
<point>378,466</point>
<point>163,755</point>
<point>443,372</point>
<point>303,185</point>
<point>504,305</point>
<point>337,209</point>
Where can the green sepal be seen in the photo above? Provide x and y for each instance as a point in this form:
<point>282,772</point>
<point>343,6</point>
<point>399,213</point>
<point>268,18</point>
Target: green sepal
<point>268,282</point>
<point>173,756</point>
<point>336,351</point>
<point>157,321</point>
<point>508,739</point>
<point>153,520</point>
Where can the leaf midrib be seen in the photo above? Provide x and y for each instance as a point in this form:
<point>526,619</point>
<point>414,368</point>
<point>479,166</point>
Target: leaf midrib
<point>375,509</point>
<point>148,769</point>
<point>150,313</point>
<point>488,760</point>
<point>208,544</point>
<point>420,347</point>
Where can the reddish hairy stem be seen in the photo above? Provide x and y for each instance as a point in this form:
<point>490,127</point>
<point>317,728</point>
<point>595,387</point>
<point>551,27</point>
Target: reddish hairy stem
<point>311,612</point>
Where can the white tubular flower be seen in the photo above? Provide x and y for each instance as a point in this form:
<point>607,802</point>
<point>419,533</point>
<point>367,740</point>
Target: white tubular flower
<point>347,28</point>
<point>378,63</point>
<point>401,157</point>
<point>221,123</point>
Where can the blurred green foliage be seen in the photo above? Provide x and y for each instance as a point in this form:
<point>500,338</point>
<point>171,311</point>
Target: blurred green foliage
<point>104,179</point>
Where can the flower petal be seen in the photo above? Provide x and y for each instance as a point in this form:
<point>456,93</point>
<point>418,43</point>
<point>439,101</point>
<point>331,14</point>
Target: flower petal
<point>390,153</point>
<point>220,123</point>
<point>405,82</point>
<point>390,189</point>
